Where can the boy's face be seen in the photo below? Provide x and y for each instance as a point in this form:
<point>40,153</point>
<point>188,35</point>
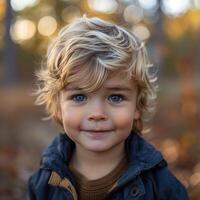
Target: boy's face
<point>103,119</point>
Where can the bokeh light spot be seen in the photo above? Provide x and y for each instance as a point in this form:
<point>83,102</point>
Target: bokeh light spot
<point>47,25</point>
<point>148,4</point>
<point>22,29</point>
<point>103,6</point>
<point>19,5</point>
<point>141,31</point>
<point>195,179</point>
<point>175,8</point>
<point>170,149</point>
<point>133,14</point>
<point>197,3</point>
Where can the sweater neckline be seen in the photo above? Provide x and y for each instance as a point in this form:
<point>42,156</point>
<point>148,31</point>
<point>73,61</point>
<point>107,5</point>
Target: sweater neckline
<point>102,182</point>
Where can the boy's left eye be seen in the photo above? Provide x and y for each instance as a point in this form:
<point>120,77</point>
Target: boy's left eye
<point>116,98</point>
<point>79,97</point>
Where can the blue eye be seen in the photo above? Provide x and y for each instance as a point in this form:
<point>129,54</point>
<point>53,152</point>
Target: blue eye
<point>116,98</point>
<point>79,97</point>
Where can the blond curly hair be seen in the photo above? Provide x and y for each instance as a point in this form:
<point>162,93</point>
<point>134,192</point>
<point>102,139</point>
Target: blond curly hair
<point>95,48</point>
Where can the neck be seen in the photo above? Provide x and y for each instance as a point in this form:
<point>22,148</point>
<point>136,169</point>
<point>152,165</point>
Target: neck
<point>94,165</point>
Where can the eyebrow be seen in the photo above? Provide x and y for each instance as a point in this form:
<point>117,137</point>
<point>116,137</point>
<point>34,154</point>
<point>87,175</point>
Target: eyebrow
<point>118,88</point>
<point>115,88</point>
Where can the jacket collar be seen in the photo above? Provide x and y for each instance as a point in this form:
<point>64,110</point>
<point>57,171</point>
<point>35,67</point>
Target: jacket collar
<point>57,155</point>
<point>141,152</point>
<point>142,156</point>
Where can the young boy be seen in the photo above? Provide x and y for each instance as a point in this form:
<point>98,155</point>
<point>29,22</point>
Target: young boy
<point>96,84</point>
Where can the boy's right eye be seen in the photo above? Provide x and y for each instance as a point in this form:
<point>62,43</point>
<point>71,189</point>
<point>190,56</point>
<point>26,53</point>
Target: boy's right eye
<point>79,97</point>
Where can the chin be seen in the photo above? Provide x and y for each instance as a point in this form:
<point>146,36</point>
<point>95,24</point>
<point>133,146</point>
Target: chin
<point>97,147</point>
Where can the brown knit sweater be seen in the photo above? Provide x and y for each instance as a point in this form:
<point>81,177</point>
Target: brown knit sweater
<point>99,188</point>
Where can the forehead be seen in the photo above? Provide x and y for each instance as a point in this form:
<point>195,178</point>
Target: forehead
<point>115,80</point>
<point>119,78</point>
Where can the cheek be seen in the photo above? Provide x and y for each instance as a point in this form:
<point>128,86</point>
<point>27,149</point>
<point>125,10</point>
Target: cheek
<point>71,118</point>
<point>124,119</point>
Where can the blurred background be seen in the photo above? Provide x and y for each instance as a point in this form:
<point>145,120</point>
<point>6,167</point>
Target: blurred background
<point>171,31</point>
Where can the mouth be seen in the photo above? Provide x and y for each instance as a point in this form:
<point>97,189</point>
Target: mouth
<point>98,131</point>
<point>97,134</point>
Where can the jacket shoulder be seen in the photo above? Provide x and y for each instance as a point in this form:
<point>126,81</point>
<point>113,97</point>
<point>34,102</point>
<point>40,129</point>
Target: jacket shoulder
<point>38,184</point>
<point>167,185</point>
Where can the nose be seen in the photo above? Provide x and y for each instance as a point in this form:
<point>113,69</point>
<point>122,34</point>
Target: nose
<point>97,112</point>
<point>97,117</point>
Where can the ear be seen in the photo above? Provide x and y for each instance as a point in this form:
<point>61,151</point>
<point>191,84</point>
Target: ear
<point>58,113</point>
<point>137,114</point>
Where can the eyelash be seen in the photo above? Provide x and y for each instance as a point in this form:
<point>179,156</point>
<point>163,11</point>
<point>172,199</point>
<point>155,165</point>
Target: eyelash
<point>121,97</point>
<point>76,95</point>
<point>117,95</point>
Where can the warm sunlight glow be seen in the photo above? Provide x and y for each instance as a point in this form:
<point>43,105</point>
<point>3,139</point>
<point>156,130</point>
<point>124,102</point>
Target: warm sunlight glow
<point>170,149</point>
<point>174,28</point>
<point>175,8</point>
<point>133,14</point>
<point>22,29</point>
<point>47,25</point>
<point>141,31</point>
<point>195,179</point>
<point>2,9</point>
<point>103,6</point>
<point>18,5</point>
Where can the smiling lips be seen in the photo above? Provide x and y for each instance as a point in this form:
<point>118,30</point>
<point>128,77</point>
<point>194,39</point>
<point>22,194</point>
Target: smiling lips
<point>97,131</point>
<point>97,134</point>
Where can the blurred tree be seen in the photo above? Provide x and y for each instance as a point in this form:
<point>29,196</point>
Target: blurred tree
<point>9,50</point>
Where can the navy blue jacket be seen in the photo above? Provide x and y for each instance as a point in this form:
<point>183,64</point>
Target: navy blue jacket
<point>146,178</point>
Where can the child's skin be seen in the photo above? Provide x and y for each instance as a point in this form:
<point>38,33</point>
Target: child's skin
<point>99,123</point>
